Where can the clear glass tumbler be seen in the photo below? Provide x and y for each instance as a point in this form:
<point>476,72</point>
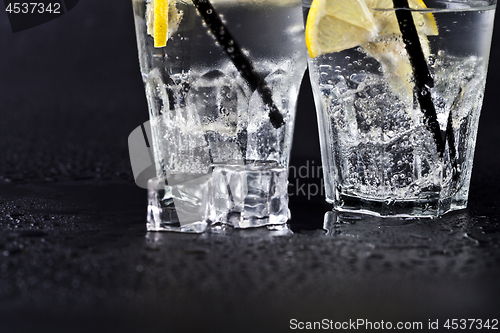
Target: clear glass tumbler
<point>398,105</point>
<point>222,80</point>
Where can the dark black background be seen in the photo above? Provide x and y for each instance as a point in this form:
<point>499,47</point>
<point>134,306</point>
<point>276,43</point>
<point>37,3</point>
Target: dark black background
<point>74,253</point>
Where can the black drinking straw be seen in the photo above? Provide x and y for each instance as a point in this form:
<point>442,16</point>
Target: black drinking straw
<point>421,74</point>
<point>238,58</point>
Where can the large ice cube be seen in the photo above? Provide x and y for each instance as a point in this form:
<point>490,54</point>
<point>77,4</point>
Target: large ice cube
<point>251,195</point>
<point>178,202</point>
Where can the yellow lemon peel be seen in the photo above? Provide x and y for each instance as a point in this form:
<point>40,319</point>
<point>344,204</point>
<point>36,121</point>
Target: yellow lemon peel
<point>162,19</point>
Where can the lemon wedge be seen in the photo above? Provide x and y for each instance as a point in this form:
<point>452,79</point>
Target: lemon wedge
<point>162,20</point>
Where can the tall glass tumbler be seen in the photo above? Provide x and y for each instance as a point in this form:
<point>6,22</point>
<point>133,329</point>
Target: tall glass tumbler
<point>398,87</point>
<point>222,80</point>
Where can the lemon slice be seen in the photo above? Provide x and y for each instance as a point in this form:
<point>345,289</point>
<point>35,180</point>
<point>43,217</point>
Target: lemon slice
<point>162,20</point>
<point>337,25</point>
<point>388,23</point>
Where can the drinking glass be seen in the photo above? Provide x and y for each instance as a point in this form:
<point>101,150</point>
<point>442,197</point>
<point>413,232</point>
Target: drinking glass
<point>398,115</point>
<point>221,80</point>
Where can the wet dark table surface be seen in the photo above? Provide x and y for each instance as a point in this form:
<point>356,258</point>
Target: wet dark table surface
<point>75,255</point>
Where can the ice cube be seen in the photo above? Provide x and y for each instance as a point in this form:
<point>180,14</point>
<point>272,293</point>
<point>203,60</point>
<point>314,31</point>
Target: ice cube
<point>249,195</point>
<point>178,202</point>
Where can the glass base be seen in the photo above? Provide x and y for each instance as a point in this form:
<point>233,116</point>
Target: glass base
<point>236,195</point>
<point>251,195</point>
<point>243,221</point>
<point>260,232</point>
<point>429,208</point>
<point>178,203</point>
